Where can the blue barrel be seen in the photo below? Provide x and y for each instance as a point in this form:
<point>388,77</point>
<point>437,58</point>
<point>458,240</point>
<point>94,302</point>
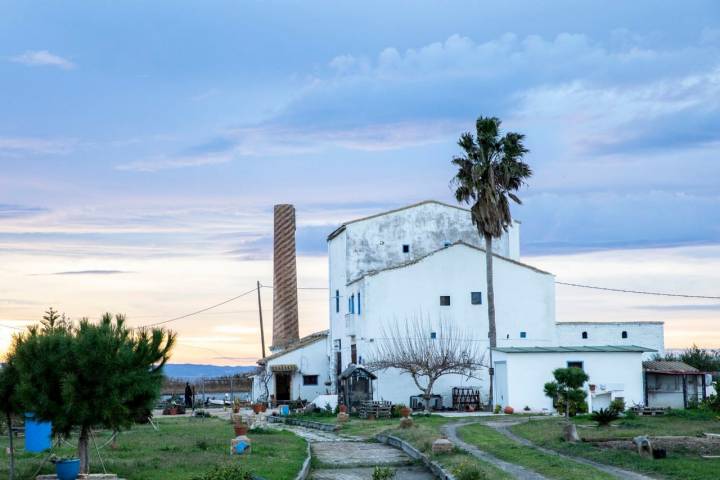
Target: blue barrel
<point>38,435</point>
<point>284,410</point>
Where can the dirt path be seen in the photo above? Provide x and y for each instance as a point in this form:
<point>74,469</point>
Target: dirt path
<point>503,427</point>
<point>518,472</point>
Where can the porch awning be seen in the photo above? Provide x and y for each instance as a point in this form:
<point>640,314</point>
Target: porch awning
<point>283,368</point>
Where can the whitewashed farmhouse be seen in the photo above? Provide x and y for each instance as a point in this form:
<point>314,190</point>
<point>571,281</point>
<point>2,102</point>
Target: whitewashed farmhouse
<point>426,260</point>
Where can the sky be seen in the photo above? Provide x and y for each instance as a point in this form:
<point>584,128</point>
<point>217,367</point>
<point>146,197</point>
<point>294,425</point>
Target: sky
<point>143,144</point>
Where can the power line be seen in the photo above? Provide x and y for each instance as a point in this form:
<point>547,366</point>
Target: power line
<point>201,310</point>
<point>639,292</point>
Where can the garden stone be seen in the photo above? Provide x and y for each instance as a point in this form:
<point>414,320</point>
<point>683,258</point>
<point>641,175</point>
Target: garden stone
<point>442,445</point>
<point>570,433</point>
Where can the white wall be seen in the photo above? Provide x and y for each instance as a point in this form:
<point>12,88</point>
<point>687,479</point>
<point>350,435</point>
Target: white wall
<point>376,243</point>
<point>619,372</point>
<point>311,359</point>
<point>643,334</point>
<point>524,302</point>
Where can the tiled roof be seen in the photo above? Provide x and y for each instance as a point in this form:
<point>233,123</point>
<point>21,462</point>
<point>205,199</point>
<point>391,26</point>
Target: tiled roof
<point>587,349</point>
<point>662,366</point>
<point>302,342</point>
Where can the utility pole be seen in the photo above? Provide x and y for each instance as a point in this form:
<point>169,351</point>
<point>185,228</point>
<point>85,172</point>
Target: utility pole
<point>262,330</point>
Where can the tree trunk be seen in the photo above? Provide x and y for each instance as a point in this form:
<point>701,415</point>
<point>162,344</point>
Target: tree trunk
<point>492,332</point>
<point>428,397</point>
<point>83,450</point>
<point>12,447</point>
<point>567,407</point>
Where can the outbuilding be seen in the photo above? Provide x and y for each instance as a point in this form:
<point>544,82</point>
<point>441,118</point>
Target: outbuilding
<point>615,372</point>
<point>674,384</point>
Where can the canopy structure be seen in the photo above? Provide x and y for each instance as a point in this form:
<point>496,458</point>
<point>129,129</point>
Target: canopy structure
<point>356,385</point>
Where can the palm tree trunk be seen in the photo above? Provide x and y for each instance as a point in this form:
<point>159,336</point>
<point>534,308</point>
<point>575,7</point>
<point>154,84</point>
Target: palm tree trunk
<point>12,447</point>
<point>492,332</point>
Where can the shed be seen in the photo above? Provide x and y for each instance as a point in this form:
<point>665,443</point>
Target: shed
<point>356,385</point>
<point>673,384</point>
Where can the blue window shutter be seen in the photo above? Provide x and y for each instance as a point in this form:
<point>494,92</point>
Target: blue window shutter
<point>337,301</point>
<point>358,303</point>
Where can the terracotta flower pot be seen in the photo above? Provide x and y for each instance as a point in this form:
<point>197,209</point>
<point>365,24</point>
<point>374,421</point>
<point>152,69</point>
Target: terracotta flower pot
<point>263,407</point>
<point>342,408</point>
<point>236,409</point>
<point>173,411</point>
<point>405,412</point>
<point>257,408</point>
<point>509,410</point>
<point>240,429</point>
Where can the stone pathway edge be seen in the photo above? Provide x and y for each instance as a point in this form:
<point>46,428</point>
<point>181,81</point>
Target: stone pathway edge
<point>304,472</point>
<point>434,467</point>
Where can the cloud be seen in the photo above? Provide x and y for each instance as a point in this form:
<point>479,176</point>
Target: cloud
<point>16,146</point>
<point>680,307</point>
<point>19,211</point>
<point>90,272</point>
<point>39,58</point>
<point>157,164</point>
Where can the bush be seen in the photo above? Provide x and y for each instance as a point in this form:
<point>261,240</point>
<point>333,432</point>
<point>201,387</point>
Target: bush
<point>468,471</point>
<point>497,409</point>
<point>604,416</point>
<point>227,472</point>
<point>396,410</point>
<point>618,405</point>
<point>383,473</point>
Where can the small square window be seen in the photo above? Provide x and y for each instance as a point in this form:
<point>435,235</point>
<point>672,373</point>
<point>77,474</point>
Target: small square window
<point>310,379</point>
<point>476,298</point>
<point>624,334</point>
<point>575,365</point>
<point>433,335</point>
<point>523,334</point>
<point>406,248</point>
<point>584,335</point>
<point>445,300</point>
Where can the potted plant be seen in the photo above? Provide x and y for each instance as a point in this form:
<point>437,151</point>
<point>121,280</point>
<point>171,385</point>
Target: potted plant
<point>509,410</point>
<point>66,468</point>
<point>257,408</point>
<point>263,408</point>
<point>240,428</point>
<point>342,408</point>
<point>405,411</point>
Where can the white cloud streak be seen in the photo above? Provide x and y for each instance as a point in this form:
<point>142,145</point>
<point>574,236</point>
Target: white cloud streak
<point>42,58</point>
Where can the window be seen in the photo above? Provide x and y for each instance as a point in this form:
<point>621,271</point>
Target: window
<point>433,335</point>
<point>584,335</point>
<point>445,300</point>
<point>310,379</point>
<point>624,334</point>
<point>353,353</point>
<point>575,365</point>
<point>358,303</point>
<point>406,248</point>
<point>337,301</point>
<point>523,334</point>
<point>476,298</point>
<point>351,304</point>
<point>447,244</point>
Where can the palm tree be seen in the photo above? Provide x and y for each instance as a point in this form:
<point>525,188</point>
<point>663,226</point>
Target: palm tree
<point>489,172</point>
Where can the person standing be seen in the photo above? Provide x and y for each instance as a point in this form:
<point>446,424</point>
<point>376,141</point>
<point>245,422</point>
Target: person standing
<point>188,395</point>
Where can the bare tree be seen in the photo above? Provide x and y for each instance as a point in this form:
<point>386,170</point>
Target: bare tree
<point>426,353</point>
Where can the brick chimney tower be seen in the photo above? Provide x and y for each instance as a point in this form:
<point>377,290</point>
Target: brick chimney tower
<point>285,307</point>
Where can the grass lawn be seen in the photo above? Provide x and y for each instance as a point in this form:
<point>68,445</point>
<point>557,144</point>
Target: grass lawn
<point>421,436</point>
<point>181,449</point>
<point>497,444</point>
<point>685,465</point>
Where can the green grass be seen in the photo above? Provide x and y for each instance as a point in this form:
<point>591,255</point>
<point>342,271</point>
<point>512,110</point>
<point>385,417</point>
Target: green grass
<point>181,449</point>
<point>679,464</point>
<point>424,432</point>
<point>497,444</point>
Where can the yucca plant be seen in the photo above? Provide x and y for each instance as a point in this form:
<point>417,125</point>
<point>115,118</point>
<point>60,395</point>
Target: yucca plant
<point>605,416</point>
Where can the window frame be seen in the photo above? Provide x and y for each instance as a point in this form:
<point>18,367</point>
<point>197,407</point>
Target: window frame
<point>472,298</point>
<point>310,384</point>
<point>449,302</point>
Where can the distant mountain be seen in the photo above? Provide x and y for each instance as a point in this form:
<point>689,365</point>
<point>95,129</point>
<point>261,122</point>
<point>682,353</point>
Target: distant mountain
<point>192,371</point>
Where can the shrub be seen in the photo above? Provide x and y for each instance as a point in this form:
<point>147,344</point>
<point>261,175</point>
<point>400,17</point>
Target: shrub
<point>227,472</point>
<point>604,416</point>
<point>497,409</point>
<point>396,410</point>
<point>383,473</point>
<point>202,444</point>
<point>468,471</point>
<point>618,405</point>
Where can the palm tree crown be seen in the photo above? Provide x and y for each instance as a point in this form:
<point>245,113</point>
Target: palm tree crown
<point>489,173</point>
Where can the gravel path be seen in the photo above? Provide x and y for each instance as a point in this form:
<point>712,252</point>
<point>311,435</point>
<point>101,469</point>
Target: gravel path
<point>504,428</point>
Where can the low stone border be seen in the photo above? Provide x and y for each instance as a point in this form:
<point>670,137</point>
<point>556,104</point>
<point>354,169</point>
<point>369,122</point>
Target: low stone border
<point>434,467</point>
<point>325,427</point>
<point>304,472</point>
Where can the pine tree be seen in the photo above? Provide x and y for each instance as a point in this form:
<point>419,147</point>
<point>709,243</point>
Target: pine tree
<point>90,375</point>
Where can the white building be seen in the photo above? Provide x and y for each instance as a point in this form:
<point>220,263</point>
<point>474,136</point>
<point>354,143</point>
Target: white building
<point>427,261</point>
